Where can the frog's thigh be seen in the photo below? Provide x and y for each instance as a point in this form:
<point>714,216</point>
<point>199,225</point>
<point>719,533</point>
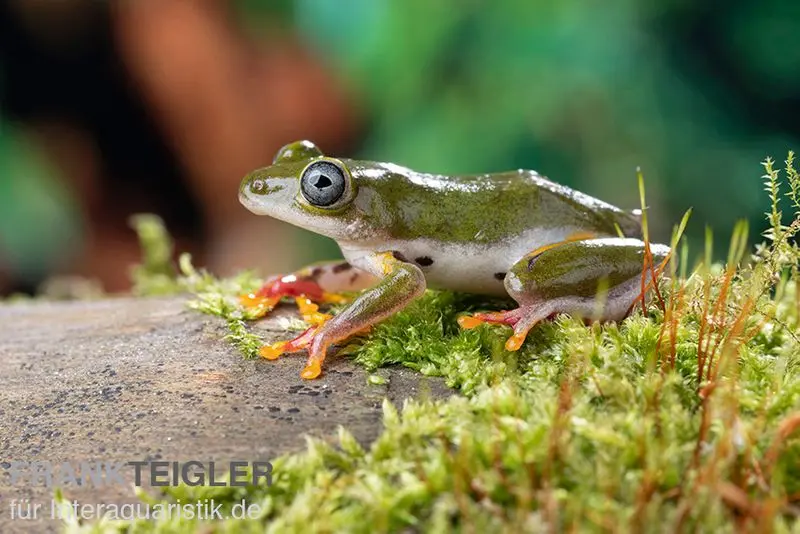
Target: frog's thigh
<point>400,283</point>
<point>594,278</point>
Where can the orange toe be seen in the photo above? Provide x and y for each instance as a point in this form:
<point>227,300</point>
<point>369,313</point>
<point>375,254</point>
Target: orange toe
<point>258,305</point>
<point>468,322</point>
<point>515,342</point>
<point>311,371</point>
<point>305,305</point>
<point>272,352</point>
<point>310,312</point>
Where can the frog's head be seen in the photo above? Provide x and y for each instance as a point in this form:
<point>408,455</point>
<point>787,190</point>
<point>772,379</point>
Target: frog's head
<point>304,188</point>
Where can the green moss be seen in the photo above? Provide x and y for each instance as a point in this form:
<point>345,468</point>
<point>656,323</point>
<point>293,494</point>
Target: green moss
<point>156,275</point>
<point>685,417</point>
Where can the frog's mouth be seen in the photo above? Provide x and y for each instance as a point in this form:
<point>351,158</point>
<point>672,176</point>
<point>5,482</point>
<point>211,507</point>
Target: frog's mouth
<point>245,201</point>
<point>253,204</point>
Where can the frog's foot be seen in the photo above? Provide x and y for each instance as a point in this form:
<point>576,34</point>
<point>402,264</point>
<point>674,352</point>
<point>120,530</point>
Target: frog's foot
<point>311,315</point>
<point>264,300</point>
<point>468,322</point>
<point>313,367</point>
<point>323,283</point>
<point>521,319</point>
<point>273,351</point>
<point>258,303</point>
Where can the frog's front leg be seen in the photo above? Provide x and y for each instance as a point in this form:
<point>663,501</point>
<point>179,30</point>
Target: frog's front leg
<point>594,278</point>
<point>400,283</point>
<point>321,282</point>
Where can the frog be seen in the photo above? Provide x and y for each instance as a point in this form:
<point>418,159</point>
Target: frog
<point>550,248</point>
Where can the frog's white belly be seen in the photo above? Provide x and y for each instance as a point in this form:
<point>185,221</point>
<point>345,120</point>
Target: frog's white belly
<point>465,267</point>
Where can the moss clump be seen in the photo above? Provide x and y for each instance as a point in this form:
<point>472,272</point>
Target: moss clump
<point>156,275</point>
<point>683,417</point>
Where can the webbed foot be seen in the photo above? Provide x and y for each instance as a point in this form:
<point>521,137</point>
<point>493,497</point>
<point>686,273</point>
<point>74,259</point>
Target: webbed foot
<point>521,319</point>
<point>263,301</point>
<point>322,283</point>
<point>311,314</point>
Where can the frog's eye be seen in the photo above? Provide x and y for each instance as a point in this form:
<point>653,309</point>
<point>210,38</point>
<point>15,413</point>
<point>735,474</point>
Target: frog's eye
<point>323,184</point>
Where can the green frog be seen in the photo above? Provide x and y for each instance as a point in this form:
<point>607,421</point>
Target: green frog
<point>550,248</point>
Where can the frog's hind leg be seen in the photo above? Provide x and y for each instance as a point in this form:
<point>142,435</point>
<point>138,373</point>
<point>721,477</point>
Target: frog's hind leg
<point>596,279</point>
<point>321,283</point>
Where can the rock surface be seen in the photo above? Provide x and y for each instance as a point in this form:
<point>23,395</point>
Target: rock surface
<point>147,379</point>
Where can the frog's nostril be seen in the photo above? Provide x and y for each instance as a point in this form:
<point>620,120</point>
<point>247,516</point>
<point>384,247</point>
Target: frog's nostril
<point>257,186</point>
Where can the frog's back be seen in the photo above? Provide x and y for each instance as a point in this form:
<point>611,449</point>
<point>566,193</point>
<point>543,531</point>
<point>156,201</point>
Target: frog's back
<point>489,208</point>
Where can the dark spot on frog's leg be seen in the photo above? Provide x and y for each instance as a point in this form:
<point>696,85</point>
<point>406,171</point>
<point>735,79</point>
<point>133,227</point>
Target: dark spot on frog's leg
<point>316,272</point>
<point>424,261</point>
<point>500,276</point>
<point>532,261</point>
<point>399,256</point>
<point>344,266</point>
<point>353,278</point>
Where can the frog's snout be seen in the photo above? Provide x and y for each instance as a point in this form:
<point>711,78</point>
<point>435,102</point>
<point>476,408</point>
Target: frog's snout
<point>246,193</point>
<point>264,194</point>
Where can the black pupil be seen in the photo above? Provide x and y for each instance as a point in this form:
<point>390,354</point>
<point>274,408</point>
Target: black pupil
<point>323,182</point>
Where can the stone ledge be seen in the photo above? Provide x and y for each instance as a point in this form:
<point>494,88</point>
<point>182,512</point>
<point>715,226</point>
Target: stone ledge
<point>135,379</point>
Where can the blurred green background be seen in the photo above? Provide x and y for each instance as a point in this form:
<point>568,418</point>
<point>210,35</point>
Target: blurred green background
<point>694,93</point>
